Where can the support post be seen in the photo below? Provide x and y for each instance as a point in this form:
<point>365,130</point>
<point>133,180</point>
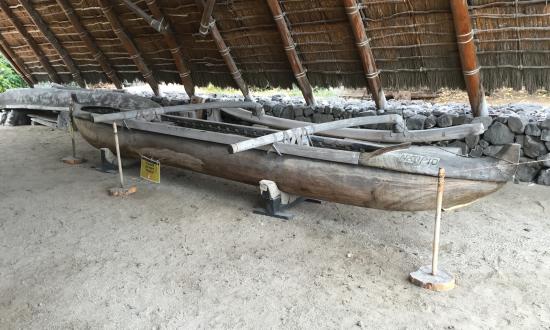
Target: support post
<point>73,159</point>
<point>468,57</point>
<point>431,277</point>
<point>38,53</point>
<point>52,39</point>
<point>88,40</point>
<point>290,49</point>
<point>226,54</point>
<point>128,44</point>
<point>16,63</point>
<point>122,190</point>
<point>175,48</point>
<point>372,74</point>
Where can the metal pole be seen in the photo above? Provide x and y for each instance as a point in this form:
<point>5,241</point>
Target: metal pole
<point>437,227</point>
<point>118,156</point>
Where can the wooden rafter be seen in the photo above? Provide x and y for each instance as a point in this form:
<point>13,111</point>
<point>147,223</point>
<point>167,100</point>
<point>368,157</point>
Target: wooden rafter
<point>17,64</point>
<point>175,48</point>
<point>290,49</point>
<point>226,54</point>
<point>372,74</point>
<point>128,44</point>
<point>89,42</point>
<point>38,53</point>
<point>206,14</point>
<point>157,25</point>
<point>52,39</point>
<point>468,57</point>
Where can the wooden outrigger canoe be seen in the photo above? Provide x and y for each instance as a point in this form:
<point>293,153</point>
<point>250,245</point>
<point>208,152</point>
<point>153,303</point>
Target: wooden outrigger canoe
<point>393,179</point>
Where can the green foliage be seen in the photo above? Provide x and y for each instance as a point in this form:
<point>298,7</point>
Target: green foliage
<point>8,77</point>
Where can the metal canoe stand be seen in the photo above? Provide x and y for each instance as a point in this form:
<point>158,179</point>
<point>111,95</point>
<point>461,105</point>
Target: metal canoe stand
<point>73,159</point>
<point>430,276</point>
<point>121,190</point>
<point>276,202</point>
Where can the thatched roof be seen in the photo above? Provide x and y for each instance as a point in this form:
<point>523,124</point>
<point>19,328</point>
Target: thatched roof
<point>413,42</point>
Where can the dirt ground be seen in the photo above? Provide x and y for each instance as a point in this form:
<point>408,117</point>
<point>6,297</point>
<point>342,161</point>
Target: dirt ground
<point>188,253</point>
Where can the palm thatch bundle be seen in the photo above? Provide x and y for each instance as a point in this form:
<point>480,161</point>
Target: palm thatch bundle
<point>413,42</point>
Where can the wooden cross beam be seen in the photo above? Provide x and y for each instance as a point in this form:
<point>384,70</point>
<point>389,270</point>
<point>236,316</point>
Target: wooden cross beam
<point>89,42</point>
<point>468,57</point>
<point>226,54</point>
<point>290,49</point>
<point>17,64</point>
<point>38,53</point>
<point>128,44</point>
<point>52,39</point>
<point>175,48</point>
<point>372,74</point>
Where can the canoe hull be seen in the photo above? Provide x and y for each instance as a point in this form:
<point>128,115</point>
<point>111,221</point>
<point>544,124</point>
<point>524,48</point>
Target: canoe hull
<point>340,183</point>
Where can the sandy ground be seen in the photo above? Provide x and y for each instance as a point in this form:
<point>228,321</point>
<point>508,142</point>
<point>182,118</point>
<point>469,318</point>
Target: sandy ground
<point>188,253</point>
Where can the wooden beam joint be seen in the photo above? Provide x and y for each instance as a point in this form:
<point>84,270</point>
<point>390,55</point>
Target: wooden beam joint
<point>129,45</point>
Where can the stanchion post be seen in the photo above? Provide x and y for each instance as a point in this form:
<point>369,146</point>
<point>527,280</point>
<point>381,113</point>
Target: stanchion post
<point>122,190</point>
<point>72,160</point>
<point>431,277</point>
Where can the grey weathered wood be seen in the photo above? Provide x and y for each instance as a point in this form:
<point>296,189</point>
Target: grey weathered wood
<point>251,131</point>
<point>339,156</point>
<point>132,114</point>
<point>431,135</point>
<point>427,160</point>
<point>301,132</point>
<point>331,181</point>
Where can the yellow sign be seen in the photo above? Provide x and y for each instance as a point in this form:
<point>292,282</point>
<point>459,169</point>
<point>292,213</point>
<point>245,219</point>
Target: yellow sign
<point>150,169</point>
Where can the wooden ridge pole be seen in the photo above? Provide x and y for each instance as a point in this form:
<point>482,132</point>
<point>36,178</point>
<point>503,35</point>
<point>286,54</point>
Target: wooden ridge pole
<point>52,39</point>
<point>17,64</point>
<point>206,14</point>
<point>290,49</point>
<point>90,43</point>
<point>226,54</point>
<point>468,57</point>
<point>128,44</point>
<point>30,41</point>
<point>175,48</point>
<point>372,74</point>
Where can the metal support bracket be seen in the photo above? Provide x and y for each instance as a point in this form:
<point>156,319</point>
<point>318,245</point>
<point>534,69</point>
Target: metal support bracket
<point>275,203</point>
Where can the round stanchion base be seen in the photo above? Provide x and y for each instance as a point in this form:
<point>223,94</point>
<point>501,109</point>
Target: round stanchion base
<point>119,192</point>
<point>423,277</point>
<point>73,160</point>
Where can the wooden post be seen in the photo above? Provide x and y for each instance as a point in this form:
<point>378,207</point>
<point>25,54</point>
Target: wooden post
<point>468,57</point>
<point>128,44</point>
<point>52,39</point>
<point>206,14</point>
<point>38,53</point>
<point>372,74</point>
<point>175,48</point>
<point>226,54</point>
<point>290,49</point>
<point>17,64</point>
<point>437,226</point>
<point>431,277</point>
<point>90,43</point>
<point>122,190</point>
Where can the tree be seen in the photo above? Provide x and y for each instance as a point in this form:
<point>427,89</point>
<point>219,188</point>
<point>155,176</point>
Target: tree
<point>8,77</point>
